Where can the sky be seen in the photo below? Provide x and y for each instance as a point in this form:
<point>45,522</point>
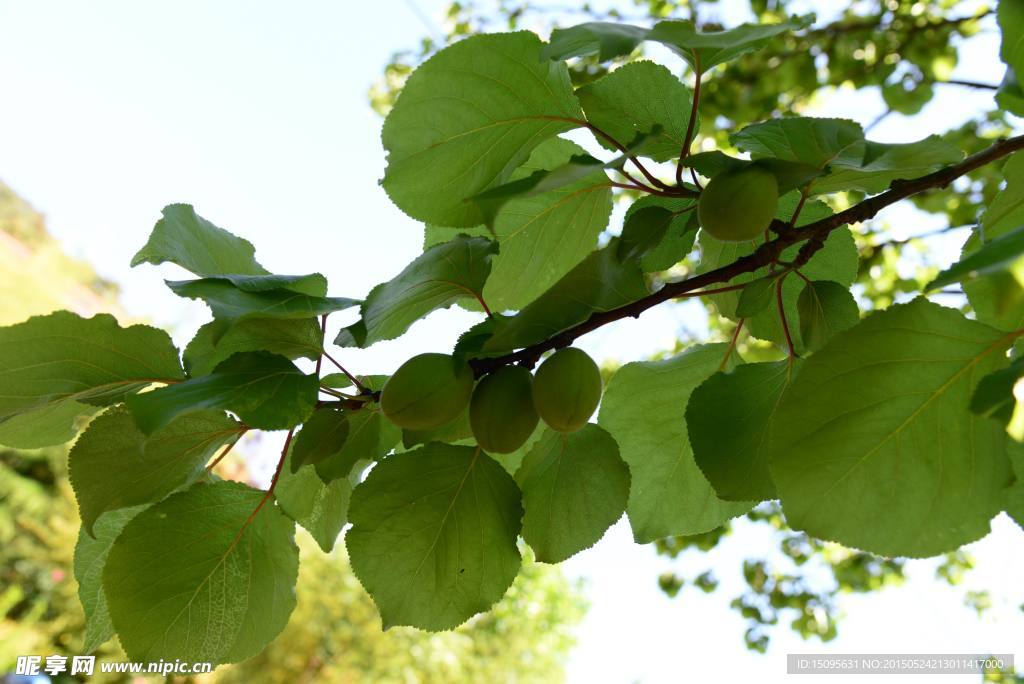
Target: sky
<point>256,112</point>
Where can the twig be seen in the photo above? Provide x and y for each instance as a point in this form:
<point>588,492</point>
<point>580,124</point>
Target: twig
<point>355,381</point>
<point>813,233</point>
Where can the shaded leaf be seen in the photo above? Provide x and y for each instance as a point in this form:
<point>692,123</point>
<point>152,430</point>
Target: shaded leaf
<point>433,537</point>
<point>575,486</point>
<point>704,50</point>
<point>50,424</point>
<point>730,418</point>
<point>541,238</point>
<point>322,436</point>
<point>467,117</point>
<point>90,558</point>
<point>439,277</point>
<point>643,409</point>
<point>873,446</point>
<point>218,589</point>
<point>994,396</point>
<point>607,40</point>
<point>600,283</point>
<point>265,390</point>
<point>230,303</point>
<point>61,357</point>
<point>218,340</point>
<point>885,162</point>
<point>184,238</point>
<point>756,296</point>
<point>806,140</point>
<point>659,245</point>
<point>639,99</point>
<point>370,438</point>
<point>825,308</point>
<point>322,509</point>
<point>113,465</point>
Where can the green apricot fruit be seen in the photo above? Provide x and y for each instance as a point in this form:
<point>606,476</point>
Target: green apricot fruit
<point>426,392</point>
<point>566,389</point>
<point>736,206</point>
<point>501,412</point>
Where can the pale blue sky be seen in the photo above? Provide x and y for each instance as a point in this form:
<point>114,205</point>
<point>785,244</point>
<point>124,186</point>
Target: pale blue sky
<point>256,112</point>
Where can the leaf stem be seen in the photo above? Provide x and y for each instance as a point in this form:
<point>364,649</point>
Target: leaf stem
<point>782,316</point>
<point>732,344</point>
<point>688,138</point>
<point>224,452</point>
<point>354,379</point>
<point>273,481</point>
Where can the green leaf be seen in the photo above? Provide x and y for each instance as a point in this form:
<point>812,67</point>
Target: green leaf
<point>837,260</point>
<point>600,283</point>
<point>90,558</point>
<point>322,436</point>
<point>806,140</point>
<point>1014,502</point>
<point>825,308</point>
<point>370,437</point>
<point>998,299</point>
<point>264,390</point>
<point>230,303</point>
<point>184,238</point>
<point>216,589</point>
<point>788,174</point>
<point>54,423</point>
<point>575,486</point>
<point>1010,95</point>
<point>467,117</point>
<point>643,409</point>
<point>607,40</point>
<point>638,99</point>
<point>756,296</point>
<point>541,238</point>
<point>218,340</point>
<point>704,50</point>
<point>454,431</point>
<point>433,537</point>
<point>884,162</point>
<point>996,255</point>
<point>730,418</point>
<point>645,233</point>
<point>113,465</point>
<point>873,446</point>
<point>1011,25</point>
<point>322,509</point>
<point>49,360</point>
<point>438,278</point>
<point>993,396</point>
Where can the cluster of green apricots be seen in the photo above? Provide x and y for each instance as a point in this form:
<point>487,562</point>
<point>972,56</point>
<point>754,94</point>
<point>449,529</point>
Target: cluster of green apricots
<point>430,390</point>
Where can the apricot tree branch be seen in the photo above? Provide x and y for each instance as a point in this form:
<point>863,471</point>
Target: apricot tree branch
<point>813,236</point>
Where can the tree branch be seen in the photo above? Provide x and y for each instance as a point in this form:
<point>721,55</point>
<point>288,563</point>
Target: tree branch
<point>812,234</point>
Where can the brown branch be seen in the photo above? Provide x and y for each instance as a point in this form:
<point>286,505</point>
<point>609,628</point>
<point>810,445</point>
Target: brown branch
<point>812,234</point>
